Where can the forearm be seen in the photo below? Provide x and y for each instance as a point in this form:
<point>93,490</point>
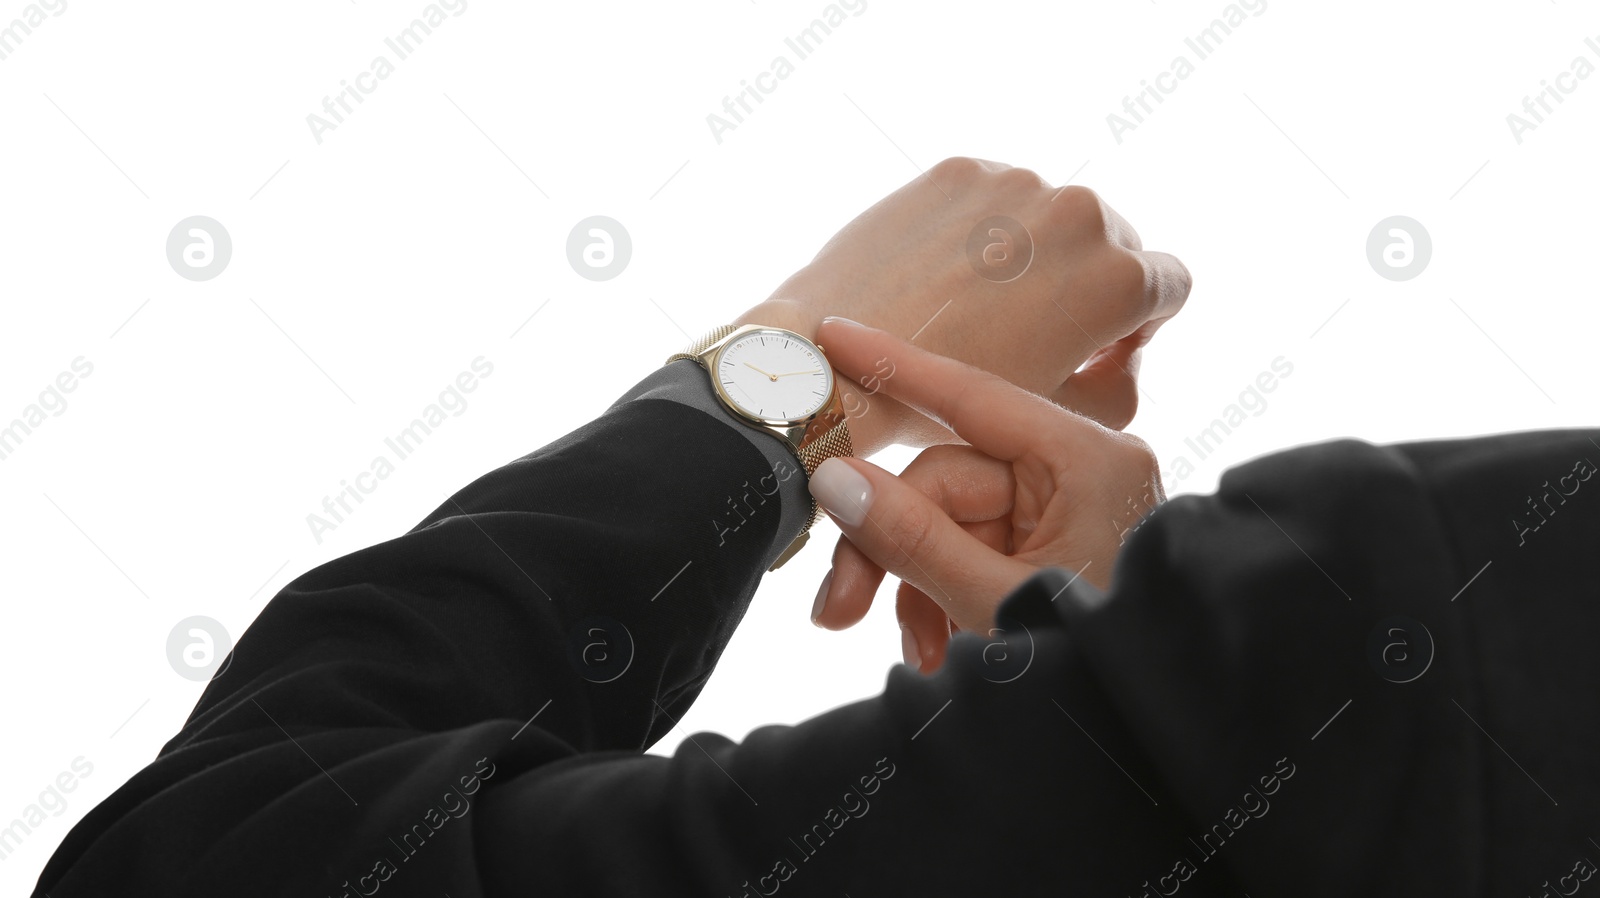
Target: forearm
<point>650,517</point>
<point>575,599</point>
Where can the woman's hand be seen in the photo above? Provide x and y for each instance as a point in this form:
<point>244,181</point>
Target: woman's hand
<point>1037,486</point>
<point>929,262</point>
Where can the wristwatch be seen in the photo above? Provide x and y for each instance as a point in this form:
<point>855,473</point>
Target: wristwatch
<point>777,381</point>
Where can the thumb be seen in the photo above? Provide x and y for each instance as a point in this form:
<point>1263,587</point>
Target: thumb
<point>909,535</point>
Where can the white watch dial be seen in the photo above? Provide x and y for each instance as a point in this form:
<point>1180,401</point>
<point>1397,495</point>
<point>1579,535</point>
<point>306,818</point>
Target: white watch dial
<point>774,375</point>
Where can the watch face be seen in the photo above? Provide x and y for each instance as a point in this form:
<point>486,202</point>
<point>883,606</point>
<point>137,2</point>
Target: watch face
<point>774,375</point>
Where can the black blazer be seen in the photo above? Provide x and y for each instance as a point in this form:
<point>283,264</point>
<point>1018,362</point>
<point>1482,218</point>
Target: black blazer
<point>1353,671</point>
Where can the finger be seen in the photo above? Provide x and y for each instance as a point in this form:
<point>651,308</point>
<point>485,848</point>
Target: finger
<point>996,534</point>
<point>910,536</point>
<point>1167,283</point>
<point>1106,388</point>
<point>933,634</point>
<point>924,628</point>
<point>847,591</point>
<point>994,415</point>
<point>966,484</point>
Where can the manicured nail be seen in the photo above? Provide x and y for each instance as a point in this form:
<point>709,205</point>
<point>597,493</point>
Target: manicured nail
<point>841,490</point>
<point>908,648</point>
<point>821,601</point>
<point>850,321</point>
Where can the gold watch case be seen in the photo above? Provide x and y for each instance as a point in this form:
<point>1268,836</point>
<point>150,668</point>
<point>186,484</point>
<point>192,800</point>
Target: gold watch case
<point>793,431</point>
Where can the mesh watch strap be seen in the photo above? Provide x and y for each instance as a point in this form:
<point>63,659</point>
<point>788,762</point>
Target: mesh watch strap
<point>704,343</point>
<point>834,442</point>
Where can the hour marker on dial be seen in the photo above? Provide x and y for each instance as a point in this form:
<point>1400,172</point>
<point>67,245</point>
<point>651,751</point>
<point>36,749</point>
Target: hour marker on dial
<point>774,379</point>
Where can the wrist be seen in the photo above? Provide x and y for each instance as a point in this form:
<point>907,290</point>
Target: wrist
<point>785,313</point>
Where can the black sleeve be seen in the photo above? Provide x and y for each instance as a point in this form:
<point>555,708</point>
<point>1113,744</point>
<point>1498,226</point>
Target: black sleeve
<point>461,710</point>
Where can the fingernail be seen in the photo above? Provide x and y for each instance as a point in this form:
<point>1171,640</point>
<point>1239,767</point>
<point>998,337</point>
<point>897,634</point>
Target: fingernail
<point>841,490</point>
<point>908,648</point>
<point>821,601</point>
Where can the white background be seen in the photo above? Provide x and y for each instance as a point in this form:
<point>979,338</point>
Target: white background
<point>369,269</point>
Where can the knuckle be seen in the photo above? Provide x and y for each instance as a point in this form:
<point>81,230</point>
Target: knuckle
<point>1078,209</point>
<point>1168,284</point>
<point>1020,179</point>
<point>1130,235</point>
<point>911,537</point>
<point>1119,409</point>
<point>957,168</point>
<point>943,472</point>
<point>1057,455</point>
<point>1126,274</point>
<point>1136,457</point>
<point>1179,279</point>
<point>928,473</point>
